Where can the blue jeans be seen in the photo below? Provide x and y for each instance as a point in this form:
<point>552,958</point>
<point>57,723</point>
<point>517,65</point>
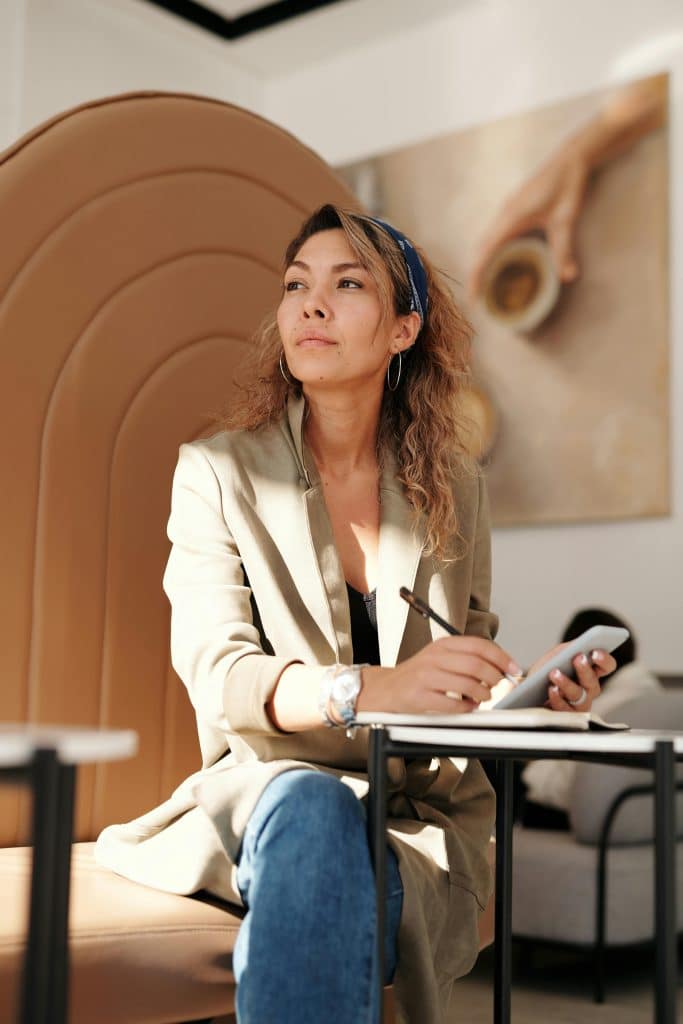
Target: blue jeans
<point>305,953</point>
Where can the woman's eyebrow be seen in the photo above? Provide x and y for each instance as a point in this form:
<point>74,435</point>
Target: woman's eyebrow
<point>336,269</point>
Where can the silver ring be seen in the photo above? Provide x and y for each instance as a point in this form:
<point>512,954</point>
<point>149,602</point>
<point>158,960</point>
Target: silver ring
<point>580,701</point>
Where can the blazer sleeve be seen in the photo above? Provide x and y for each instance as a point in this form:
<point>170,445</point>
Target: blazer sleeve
<point>481,621</point>
<point>215,646</point>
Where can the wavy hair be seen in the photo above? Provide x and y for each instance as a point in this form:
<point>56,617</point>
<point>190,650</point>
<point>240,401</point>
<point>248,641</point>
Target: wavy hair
<point>421,422</point>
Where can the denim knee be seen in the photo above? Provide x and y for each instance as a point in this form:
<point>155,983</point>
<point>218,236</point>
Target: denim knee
<point>304,817</point>
<point>307,797</point>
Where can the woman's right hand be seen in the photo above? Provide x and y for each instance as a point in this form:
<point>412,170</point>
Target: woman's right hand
<point>454,674</point>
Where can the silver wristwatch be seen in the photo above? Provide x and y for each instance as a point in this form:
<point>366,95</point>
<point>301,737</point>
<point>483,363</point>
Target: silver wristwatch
<point>339,691</point>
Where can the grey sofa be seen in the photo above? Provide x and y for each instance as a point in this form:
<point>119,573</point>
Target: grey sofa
<point>593,886</point>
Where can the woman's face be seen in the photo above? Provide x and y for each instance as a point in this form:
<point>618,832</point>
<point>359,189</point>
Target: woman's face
<point>330,318</point>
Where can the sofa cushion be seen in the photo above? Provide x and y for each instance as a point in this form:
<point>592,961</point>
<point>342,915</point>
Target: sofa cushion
<point>554,889</point>
<point>137,955</point>
<point>595,786</point>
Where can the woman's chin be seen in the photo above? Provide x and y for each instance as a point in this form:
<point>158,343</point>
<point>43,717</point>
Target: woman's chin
<point>317,366</point>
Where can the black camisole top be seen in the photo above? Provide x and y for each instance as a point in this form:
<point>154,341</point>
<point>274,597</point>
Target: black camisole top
<point>363,608</point>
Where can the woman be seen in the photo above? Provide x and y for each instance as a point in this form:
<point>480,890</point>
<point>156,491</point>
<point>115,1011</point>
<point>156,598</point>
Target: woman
<point>341,478</point>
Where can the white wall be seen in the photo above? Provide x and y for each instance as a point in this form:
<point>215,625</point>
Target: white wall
<point>484,60</point>
<point>77,50</point>
<point>11,73</point>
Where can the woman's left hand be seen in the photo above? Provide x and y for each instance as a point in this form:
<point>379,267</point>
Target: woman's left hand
<point>565,694</point>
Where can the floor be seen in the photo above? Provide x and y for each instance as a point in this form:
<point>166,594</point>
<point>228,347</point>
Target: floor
<point>554,985</point>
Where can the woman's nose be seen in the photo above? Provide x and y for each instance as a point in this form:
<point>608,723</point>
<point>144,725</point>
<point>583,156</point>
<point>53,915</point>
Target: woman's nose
<point>316,306</point>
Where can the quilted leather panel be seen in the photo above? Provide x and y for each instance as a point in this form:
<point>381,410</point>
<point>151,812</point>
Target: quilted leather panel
<point>141,245</point>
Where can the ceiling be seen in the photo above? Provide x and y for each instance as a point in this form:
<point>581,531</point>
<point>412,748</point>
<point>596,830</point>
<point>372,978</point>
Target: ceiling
<point>233,8</point>
<point>233,19</point>
<point>306,32</point>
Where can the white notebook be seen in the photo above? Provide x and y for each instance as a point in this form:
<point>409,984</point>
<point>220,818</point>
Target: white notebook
<point>517,718</point>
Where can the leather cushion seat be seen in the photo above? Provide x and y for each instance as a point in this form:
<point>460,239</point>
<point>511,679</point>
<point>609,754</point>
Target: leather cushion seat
<point>137,955</point>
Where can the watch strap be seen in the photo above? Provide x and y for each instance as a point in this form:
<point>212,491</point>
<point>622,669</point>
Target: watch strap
<point>335,712</point>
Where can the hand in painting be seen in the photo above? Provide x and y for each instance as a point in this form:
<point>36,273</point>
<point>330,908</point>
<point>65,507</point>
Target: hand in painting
<point>551,200</point>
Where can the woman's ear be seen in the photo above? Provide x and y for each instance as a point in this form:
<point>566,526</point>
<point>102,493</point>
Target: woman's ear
<point>407,330</point>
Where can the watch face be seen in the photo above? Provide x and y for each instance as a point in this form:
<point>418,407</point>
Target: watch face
<point>346,686</point>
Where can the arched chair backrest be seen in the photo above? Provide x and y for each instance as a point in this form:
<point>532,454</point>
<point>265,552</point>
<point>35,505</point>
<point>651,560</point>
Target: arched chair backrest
<point>142,239</point>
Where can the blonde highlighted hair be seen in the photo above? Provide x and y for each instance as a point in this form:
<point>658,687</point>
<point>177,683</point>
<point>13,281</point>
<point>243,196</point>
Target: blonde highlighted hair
<point>421,421</point>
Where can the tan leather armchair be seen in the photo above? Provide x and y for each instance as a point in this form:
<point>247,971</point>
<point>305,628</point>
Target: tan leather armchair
<point>141,239</point>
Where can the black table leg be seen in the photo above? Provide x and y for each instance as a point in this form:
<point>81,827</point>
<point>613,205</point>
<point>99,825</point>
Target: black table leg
<point>503,940</point>
<point>665,883</point>
<point>45,974</point>
<point>37,963</point>
<point>377,837</point>
<point>62,878</point>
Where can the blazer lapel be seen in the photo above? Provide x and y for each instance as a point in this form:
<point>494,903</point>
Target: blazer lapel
<point>400,550</point>
<point>330,593</point>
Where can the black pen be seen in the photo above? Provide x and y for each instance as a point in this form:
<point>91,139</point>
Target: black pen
<point>423,609</point>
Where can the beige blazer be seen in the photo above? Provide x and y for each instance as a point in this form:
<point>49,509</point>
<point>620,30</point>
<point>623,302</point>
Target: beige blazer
<point>255,584</point>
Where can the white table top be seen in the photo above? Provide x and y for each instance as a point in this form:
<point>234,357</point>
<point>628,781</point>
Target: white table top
<point>73,744</point>
<point>632,741</point>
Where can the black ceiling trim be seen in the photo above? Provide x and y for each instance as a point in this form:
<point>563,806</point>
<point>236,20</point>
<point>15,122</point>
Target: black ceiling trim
<point>235,28</point>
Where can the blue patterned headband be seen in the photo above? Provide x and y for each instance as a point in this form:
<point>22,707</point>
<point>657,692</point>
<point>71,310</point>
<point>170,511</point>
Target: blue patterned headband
<point>417,278</point>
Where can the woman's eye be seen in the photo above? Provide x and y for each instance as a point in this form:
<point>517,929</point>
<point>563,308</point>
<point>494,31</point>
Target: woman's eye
<point>345,283</point>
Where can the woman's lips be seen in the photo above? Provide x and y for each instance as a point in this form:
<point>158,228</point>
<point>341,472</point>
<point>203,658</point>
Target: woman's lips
<point>315,343</point>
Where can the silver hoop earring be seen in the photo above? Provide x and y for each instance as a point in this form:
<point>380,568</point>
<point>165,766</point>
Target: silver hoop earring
<point>390,386</point>
<point>284,370</point>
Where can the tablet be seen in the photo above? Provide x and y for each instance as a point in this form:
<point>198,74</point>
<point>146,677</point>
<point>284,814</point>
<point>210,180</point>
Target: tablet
<point>532,692</point>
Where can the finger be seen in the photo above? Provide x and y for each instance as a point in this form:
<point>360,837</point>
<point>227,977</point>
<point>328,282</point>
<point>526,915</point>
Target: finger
<point>438,679</point>
<point>556,702</point>
<point>466,687</point>
<point>561,241</point>
<point>586,675</point>
<point>603,663</point>
<point>562,226</point>
<point>567,688</point>
<point>472,689</point>
<point>471,666</point>
<point>577,693</point>
<point>487,650</point>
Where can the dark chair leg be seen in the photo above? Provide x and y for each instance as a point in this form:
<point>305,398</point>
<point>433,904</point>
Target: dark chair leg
<point>599,974</point>
<point>599,948</point>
